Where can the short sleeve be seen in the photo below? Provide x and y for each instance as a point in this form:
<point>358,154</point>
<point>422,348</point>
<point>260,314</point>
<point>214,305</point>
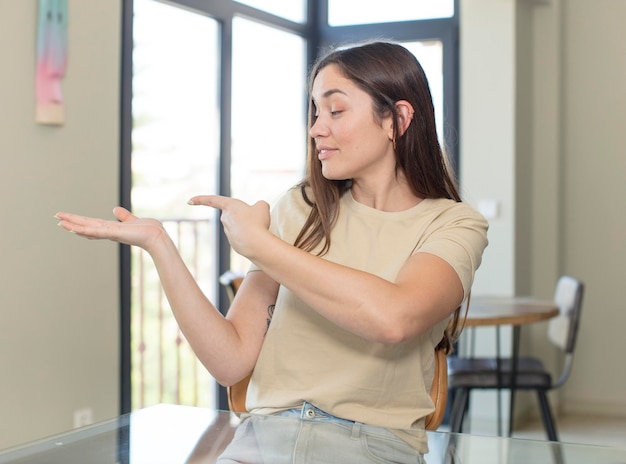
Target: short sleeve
<point>459,237</point>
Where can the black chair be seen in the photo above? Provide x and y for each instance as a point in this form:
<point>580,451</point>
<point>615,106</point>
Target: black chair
<point>466,374</point>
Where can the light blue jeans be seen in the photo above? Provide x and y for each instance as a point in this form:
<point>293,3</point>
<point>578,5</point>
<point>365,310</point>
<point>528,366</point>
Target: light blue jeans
<point>309,435</point>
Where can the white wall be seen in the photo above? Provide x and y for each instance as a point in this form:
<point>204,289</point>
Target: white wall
<point>488,154</point>
<point>593,191</point>
<point>487,120</point>
<point>543,93</point>
<point>59,305</point>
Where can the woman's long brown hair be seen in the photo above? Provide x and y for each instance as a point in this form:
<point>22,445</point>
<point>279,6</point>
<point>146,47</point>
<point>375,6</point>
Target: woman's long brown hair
<point>388,72</point>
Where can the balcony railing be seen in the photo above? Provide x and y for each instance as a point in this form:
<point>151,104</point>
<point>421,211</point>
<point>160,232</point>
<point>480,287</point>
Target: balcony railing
<point>164,368</point>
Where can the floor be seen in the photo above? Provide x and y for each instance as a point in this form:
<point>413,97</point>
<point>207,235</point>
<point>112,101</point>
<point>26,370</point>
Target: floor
<point>608,431</point>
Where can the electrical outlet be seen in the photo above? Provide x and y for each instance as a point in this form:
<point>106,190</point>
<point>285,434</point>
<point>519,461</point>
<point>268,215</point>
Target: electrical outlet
<point>83,417</point>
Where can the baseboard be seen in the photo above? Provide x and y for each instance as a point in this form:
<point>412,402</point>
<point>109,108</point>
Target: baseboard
<point>615,407</point>
<point>482,413</point>
<point>575,407</point>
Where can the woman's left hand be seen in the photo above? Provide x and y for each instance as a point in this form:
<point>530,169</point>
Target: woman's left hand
<point>243,223</point>
<point>129,229</point>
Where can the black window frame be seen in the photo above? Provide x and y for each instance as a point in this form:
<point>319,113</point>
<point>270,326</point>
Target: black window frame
<point>319,35</point>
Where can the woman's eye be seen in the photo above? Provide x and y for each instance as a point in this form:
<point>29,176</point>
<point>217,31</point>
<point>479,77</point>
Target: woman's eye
<point>335,113</point>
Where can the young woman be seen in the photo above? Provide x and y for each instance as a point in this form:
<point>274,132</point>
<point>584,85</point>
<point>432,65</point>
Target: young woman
<point>364,265</point>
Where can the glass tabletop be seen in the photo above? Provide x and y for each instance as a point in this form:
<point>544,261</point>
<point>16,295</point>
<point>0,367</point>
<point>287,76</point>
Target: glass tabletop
<point>182,434</point>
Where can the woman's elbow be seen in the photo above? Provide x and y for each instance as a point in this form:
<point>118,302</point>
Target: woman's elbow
<point>232,379</point>
<point>394,333</point>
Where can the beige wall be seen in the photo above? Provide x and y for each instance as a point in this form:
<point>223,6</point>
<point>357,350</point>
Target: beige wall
<point>593,115</point>
<point>488,153</point>
<point>543,105</point>
<point>59,320</point>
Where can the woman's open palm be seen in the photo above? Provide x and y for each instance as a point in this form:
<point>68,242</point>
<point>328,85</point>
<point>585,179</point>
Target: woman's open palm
<point>128,229</point>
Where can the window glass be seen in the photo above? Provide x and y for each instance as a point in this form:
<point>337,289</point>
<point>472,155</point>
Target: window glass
<point>294,10</point>
<point>175,152</point>
<point>175,109</point>
<point>430,56</point>
<point>346,12</point>
<point>269,117</point>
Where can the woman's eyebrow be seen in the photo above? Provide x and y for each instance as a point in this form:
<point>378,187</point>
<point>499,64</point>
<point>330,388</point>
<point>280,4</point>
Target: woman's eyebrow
<point>330,92</point>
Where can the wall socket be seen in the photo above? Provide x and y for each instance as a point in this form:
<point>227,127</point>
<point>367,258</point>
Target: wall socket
<point>83,417</point>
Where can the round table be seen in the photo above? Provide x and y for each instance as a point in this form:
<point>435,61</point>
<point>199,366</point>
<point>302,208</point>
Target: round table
<point>516,311</point>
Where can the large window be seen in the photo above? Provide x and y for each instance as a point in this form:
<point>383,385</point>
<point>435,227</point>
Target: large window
<point>214,102</point>
<point>208,116</point>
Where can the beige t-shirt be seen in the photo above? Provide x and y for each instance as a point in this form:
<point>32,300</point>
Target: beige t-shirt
<point>305,357</point>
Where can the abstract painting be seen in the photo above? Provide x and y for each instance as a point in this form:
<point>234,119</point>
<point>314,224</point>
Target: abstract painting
<point>51,61</point>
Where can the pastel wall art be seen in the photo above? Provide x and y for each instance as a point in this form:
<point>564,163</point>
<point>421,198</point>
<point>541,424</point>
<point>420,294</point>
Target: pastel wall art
<point>51,61</point>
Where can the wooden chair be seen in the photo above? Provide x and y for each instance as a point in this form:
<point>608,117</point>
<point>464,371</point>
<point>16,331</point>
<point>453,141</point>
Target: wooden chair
<point>438,391</point>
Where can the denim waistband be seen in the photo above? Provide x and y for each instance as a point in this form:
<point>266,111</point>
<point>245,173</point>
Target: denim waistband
<point>310,412</point>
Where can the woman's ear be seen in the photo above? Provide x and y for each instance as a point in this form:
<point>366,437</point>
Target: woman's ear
<point>405,115</point>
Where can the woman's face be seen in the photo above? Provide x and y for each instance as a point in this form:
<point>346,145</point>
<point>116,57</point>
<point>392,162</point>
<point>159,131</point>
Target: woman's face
<point>350,142</point>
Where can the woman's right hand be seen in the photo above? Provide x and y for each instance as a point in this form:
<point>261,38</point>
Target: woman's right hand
<point>128,229</point>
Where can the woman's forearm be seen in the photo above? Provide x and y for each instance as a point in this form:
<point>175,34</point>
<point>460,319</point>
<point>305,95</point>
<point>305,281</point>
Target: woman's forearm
<point>216,341</point>
<point>213,338</point>
<point>360,302</point>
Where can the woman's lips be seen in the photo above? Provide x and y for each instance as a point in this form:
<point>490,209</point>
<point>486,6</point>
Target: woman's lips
<point>325,153</point>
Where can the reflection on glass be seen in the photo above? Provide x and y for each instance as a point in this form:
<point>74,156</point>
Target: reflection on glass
<point>269,117</point>
<point>294,10</point>
<point>175,152</point>
<point>346,12</point>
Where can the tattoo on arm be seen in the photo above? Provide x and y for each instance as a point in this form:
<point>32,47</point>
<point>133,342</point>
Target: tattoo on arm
<point>270,313</point>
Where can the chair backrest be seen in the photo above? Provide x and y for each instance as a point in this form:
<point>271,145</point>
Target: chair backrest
<point>236,393</point>
<point>231,281</point>
<point>563,329</point>
<point>438,392</point>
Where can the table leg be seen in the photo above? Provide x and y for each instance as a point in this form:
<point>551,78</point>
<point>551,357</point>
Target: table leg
<point>499,374</point>
<point>513,380</point>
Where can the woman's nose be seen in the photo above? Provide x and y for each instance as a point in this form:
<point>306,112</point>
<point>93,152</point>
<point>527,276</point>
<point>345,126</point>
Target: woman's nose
<point>318,129</point>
